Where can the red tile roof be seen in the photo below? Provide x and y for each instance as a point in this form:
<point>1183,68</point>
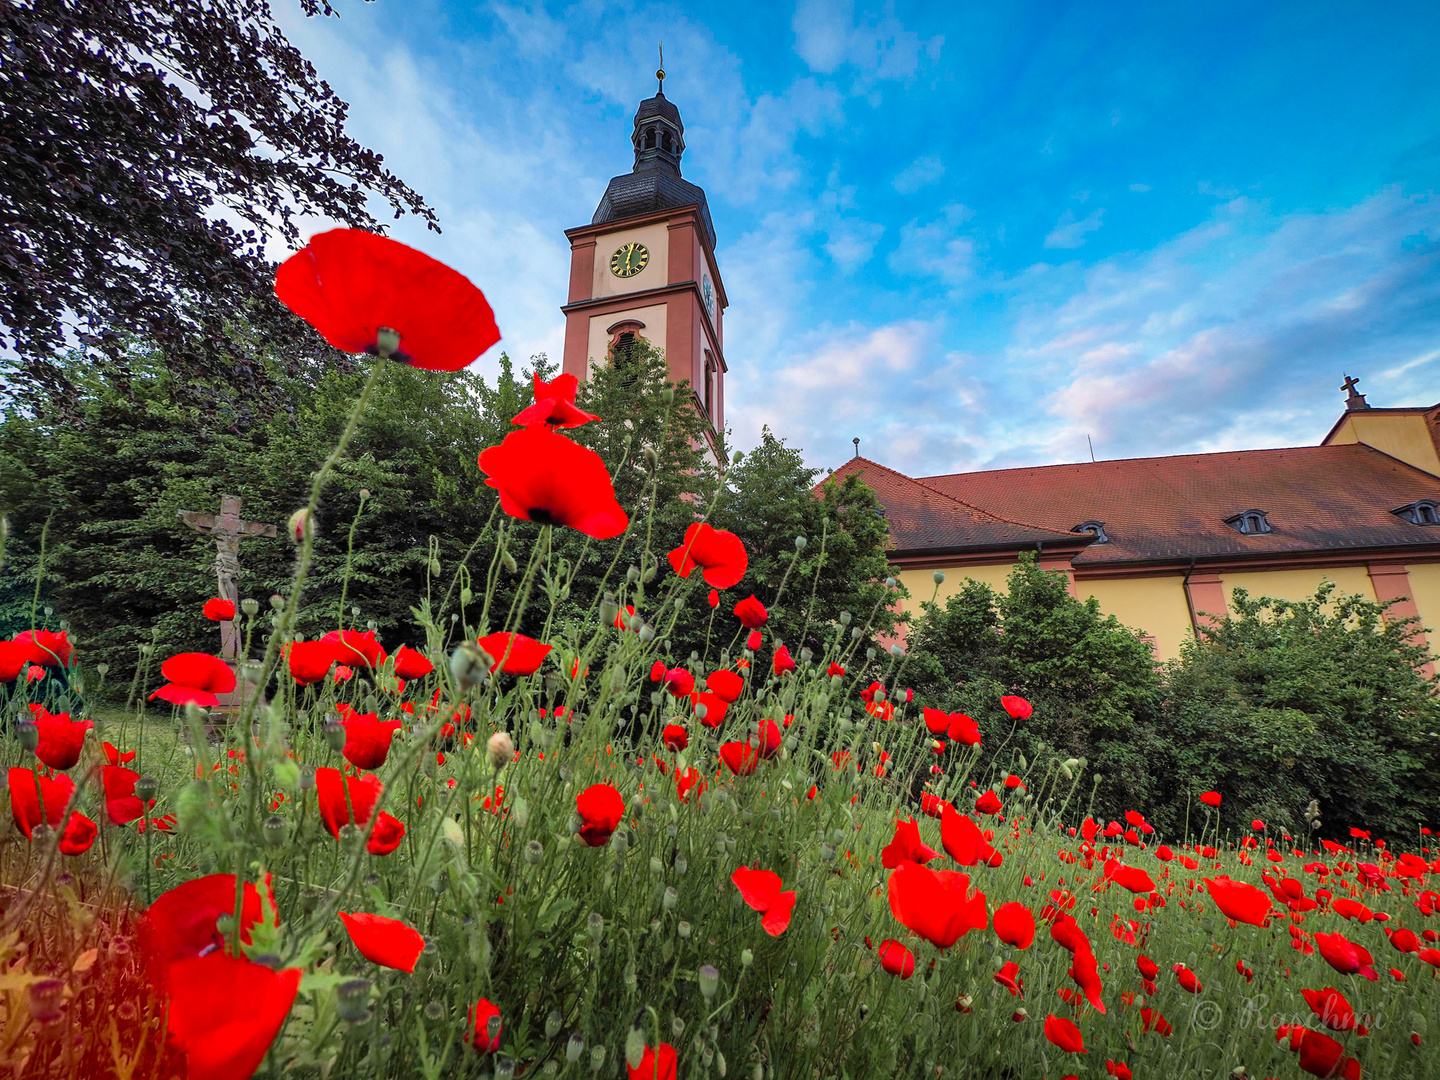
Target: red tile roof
<point>1316,499</point>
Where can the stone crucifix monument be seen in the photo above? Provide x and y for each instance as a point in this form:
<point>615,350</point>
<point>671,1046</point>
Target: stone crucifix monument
<point>228,528</point>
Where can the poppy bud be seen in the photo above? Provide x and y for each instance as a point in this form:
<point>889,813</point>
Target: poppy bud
<point>335,735</point>
<point>301,525</point>
<point>352,1000</point>
<point>508,561</point>
<point>800,543</point>
<point>632,575</point>
<point>608,608</point>
<point>574,1047</point>
<point>387,342</point>
<point>709,979</point>
<point>469,665</point>
<point>501,748</point>
<point>634,1048</point>
<point>652,459</point>
<point>890,583</point>
<point>27,735</point>
<point>668,395</point>
<point>250,606</point>
<point>194,714</point>
<point>273,830</point>
<point>746,958</point>
<point>938,577</point>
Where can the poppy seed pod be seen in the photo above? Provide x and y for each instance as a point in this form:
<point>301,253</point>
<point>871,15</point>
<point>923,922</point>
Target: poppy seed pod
<point>534,852</point>
<point>352,1000</point>
<point>800,543</point>
<point>938,577</point>
<point>597,1059</point>
<point>250,606</point>
<point>47,1000</point>
<point>301,525</point>
<point>746,958</point>
<point>552,1023</point>
<point>634,1048</point>
<point>574,1047</point>
<point>708,978</point>
<point>335,735</point>
<point>146,788</point>
<point>469,666</point>
<point>274,829</point>
<point>27,735</point>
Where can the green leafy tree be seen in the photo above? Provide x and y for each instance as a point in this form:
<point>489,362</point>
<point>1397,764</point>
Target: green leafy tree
<point>1284,702</point>
<point>1092,681</point>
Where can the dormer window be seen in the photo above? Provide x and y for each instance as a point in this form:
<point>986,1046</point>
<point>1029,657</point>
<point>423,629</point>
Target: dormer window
<point>1424,512</point>
<point>1095,529</point>
<point>1249,522</point>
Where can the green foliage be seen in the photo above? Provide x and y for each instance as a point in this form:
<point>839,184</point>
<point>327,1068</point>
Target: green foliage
<point>1092,680</point>
<point>1288,701</point>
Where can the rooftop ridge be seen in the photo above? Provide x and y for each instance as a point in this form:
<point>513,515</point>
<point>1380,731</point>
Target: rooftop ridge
<point>961,502</point>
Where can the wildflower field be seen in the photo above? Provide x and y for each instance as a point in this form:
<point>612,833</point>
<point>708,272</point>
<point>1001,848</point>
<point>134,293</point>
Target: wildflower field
<point>522,846</point>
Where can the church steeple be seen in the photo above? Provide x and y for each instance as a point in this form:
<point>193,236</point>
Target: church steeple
<point>659,135</point>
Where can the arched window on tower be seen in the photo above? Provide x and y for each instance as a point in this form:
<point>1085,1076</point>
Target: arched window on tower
<point>710,386</point>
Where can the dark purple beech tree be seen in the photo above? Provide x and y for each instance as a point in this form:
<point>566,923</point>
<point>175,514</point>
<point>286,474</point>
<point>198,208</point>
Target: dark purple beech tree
<point>147,148</point>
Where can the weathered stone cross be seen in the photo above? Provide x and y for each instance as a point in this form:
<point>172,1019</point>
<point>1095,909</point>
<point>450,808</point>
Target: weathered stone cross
<point>228,529</point>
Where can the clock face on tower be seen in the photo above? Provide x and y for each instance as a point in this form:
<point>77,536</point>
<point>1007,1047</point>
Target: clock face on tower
<point>707,293</point>
<point>629,259</point>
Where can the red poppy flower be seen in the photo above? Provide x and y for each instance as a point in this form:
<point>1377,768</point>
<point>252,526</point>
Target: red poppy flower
<point>554,405</point>
<point>48,648</point>
<point>1153,1020</point>
<point>761,890</point>
<point>1404,940</point>
<point>1210,798</point>
<point>989,803</point>
<point>1084,971</point>
<point>719,553</point>
<point>1129,877</point>
<point>35,673</point>
<point>751,613</point>
<point>1009,977</point>
<point>1187,978</point>
<point>936,720</point>
<point>28,792</point>
<point>411,664</point>
<point>180,924</point>
<point>938,905</point>
<point>387,942</point>
<point>1239,901</point>
<point>768,733</point>
<point>906,846</point>
<point>356,648</point>
<point>514,654</point>
<point>367,738</point>
<point>79,834</point>
<point>225,1012</point>
<point>114,756</point>
<point>1017,707</point>
<point>784,663</point>
<point>1320,1055</point>
<point>310,661</point>
<point>480,1036</point>
<point>546,478</point>
<point>727,684</point>
<point>963,729</point>
<point>334,809</point>
<point>1015,924</point>
<point>195,678</point>
<point>122,805</point>
<point>1345,956</point>
<point>714,598</point>
<point>675,737</point>
<point>654,1065</point>
<point>963,840</point>
<point>601,809</point>
<point>739,757</point>
<point>350,285</point>
<point>218,609</point>
<point>14,656</point>
<point>1064,1034</point>
<point>385,837</point>
<point>61,738</point>
<point>679,681</point>
<point>1332,1008</point>
<point>1118,1069</point>
<point>896,958</point>
<point>752,642</point>
<point>688,781</point>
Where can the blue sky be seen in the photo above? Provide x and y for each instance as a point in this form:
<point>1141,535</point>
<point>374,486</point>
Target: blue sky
<point>971,234</point>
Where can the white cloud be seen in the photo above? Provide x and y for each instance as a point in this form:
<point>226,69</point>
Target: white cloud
<point>829,36</point>
<point>936,248</point>
<point>1070,233</point>
<point>851,243</point>
<point>921,172</point>
<point>1140,188</point>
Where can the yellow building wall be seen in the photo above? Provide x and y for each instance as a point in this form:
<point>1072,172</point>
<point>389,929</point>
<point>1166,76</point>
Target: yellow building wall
<point>1402,436</point>
<point>1299,584</point>
<point>1155,606</point>
<point>1425,591</point>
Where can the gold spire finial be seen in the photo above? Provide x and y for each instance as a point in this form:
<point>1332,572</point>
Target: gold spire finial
<point>660,71</point>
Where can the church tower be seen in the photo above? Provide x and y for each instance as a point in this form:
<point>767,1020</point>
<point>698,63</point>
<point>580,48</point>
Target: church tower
<point>645,267</point>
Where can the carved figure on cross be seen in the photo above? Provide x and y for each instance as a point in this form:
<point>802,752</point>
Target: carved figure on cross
<point>228,528</point>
